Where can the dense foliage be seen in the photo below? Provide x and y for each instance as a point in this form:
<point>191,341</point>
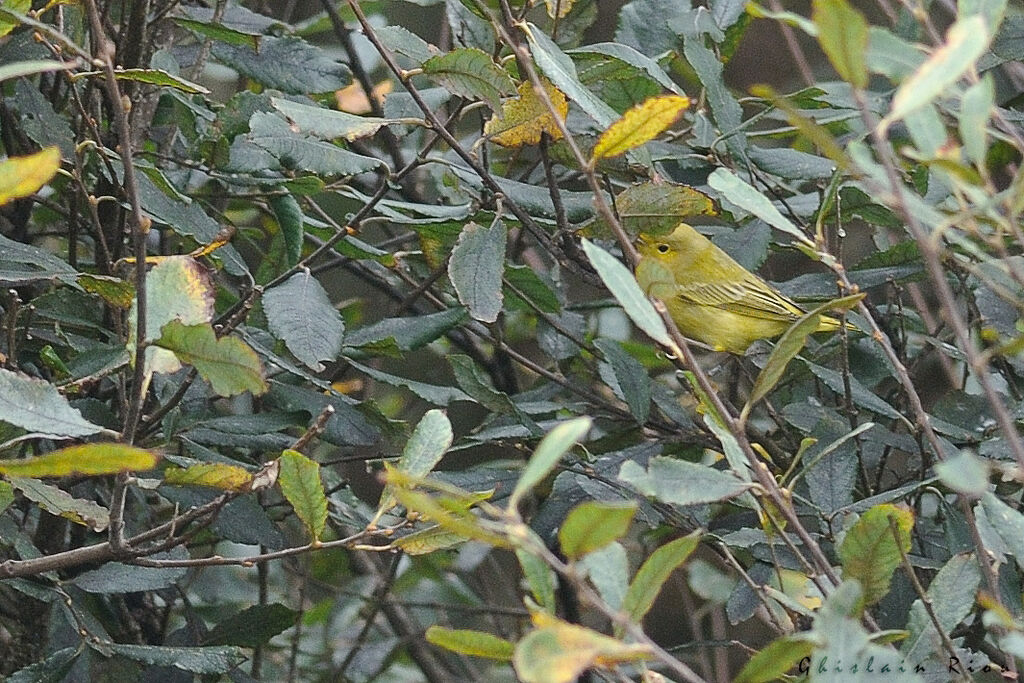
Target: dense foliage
<point>323,358</point>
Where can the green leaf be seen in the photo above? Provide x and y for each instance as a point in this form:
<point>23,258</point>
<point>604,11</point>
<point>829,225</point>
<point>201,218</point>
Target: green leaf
<point>435,394</point>
<point>31,67</point>
<point>892,56</point>
<point>408,334</point>
<point>61,503</point>
<point>299,479</point>
<point>92,459</point>
<point>788,346</point>
<point>116,577</point>
<point>9,22</point>
<point>540,579</point>
<point>1008,523</point>
<point>774,660</point>
<point>632,57</point>
<point>964,473</point>
<point>428,540</point>
<point>228,364</point>
<point>154,77</point>
<point>429,442</point>
<point>6,495</point>
<point>726,110</point>
<point>216,475</point>
<point>300,313</point>
<point>680,482</point>
<point>291,151</point>
<point>253,626</point>
<point>288,64</point>
<point>966,40</point>
<point>22,263</point>
<point>329,124</point>
<point>623,286</point>
<point>52,669</point>
<point>629,380</point>
<point>549,451</point>
<point>469,642</point>
<point>952,593</point>
<point>975,110</point>
<point>860,394</point>
<point>843,34</point>
<point>470,73</point>
<point>290,219</point>
<point>475,269</point>
<point>474,383</point>
<point>593,524</point>
<point>608,569</point>
<point>869,552</point>
<point>201,660</point>
<point>653,574</point>
<point>36,406</point>
<point>557,66</point>
<point>221,32</point>
<point>738,192</point>
<point>657,208</point>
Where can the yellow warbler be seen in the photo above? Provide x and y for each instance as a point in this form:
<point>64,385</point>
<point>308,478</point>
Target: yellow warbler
<point>711,297</point>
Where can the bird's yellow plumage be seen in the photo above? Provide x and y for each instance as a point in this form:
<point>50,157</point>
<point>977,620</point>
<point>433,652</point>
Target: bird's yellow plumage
<point>712,298</point>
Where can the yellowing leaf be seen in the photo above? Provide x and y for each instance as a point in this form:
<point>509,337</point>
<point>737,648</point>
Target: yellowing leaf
<point>469,642</point>
<point>88,459</point>
<point>558,652</point>
<point>523,119</point>
<point>642,123</point>
<point>228,364</point>
<point>214,475</point>
<point>299,479</point>
<point>559,8</point>
<point>57,501</point>
<point>22,176</point>
<point>869,551</point>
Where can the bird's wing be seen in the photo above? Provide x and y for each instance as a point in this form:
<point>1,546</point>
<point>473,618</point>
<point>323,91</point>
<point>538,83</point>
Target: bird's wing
<point>750,297</point>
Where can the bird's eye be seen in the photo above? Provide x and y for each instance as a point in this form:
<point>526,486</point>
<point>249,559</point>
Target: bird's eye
<point>662,248</point>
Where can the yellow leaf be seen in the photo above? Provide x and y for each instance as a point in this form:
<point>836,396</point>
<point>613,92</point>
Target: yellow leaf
<point>214,475</point>
<point>640,124</point>
<point>524,118</point>
<point>558,652</point>
<point>91,459</point>
<point>22,176</point>
<point>559,8</point>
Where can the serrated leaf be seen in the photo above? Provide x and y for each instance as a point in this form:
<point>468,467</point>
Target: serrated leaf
<point>656,208</point>
<point>549,451</point>
<point>429,442</point>
<point>155,77</point>
<point>469,642</point>
<point>288,64</point>
<point>953,593</point>
<point>869,552</point>
<point>471,73</point>
<point>408,334</point>
<point>228,364</point>
<point>291,151</point>
<point>432,393</point>
<point>92,459</point>
<point>653,574</point>
<point>299,479</point>
<point>843,34</point>
<point>25,175</point>
<point>680,482</point>
<point>429,540</point>
<point>36,406</point>
<point>221,32</point>
<point>201,660</point>
<point>59,502</point>
<point>560,70</point>
<point>966,40</point>
<point>113,290</point>
<point>593,524</point>
<point>475,269</point>
<point>213,475</point>
<point>300,313</point>
<point>623,286</point>
<point>640,124</point>
<point>329,124</point>
<point>523,119</point>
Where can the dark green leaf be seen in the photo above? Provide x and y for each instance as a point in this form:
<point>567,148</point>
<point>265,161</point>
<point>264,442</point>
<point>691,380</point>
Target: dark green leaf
<point>679,482</point>
<point>288,64</point>
<point>475,269</point>
<point>470,73</point>
<point>629,379</point>
<point>300,313</point>
<point>253,626</point>
<point>200,660</point>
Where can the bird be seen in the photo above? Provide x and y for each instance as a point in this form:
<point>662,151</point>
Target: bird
<point>710,296</point>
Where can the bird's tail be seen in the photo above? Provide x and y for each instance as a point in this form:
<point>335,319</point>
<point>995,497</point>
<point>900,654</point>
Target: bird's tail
<point>828,324</point>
